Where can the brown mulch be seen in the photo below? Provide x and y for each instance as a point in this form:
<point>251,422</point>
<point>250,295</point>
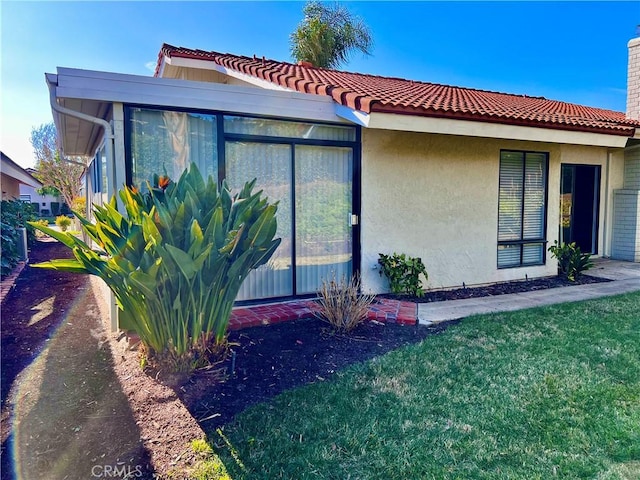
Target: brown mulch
<point>271,359</point>
<point>503,288</point>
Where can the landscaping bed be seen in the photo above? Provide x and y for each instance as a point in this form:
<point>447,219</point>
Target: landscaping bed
<point>503,288</point>
<point>272,359</point>
<point>268,360</point>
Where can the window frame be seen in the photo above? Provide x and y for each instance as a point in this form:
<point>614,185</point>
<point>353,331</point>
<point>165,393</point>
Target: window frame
<point>222,137</point>
<point>525,241</point>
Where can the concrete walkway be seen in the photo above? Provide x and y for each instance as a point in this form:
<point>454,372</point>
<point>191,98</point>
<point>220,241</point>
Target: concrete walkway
<point>625,276</point>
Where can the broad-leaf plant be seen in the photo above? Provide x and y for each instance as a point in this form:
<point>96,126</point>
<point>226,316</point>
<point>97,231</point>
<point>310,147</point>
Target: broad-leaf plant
<point>175,261</point>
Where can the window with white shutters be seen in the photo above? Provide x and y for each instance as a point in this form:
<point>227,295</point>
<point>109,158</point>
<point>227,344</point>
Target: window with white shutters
<point>522,207</point>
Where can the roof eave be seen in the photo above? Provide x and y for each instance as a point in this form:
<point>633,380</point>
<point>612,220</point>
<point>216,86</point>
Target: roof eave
<point>617,129</point>
<point>473,127</point>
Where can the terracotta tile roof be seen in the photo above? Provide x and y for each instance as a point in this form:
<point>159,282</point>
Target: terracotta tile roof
<point>370,93</point>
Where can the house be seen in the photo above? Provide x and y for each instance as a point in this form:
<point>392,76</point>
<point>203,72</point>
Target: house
<point>44,203</point>
<point>476,183</point>
<point>14,177</point>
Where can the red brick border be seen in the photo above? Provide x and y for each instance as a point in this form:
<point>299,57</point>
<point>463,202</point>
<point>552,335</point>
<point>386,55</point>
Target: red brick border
<point>9,281</point>
<point>382,310</point>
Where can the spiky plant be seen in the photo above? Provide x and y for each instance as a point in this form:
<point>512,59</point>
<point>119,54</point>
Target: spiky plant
<point>342,304</point>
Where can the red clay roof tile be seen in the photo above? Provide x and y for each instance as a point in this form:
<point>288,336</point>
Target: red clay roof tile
<point>371,93</point>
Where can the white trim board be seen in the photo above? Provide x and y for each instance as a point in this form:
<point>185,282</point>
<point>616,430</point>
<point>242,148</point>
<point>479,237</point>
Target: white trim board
<point>412,123</point>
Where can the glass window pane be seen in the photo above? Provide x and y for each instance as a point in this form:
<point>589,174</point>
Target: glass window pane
<point>103,169</point>
<point>271,165</point>
<point>323,212</point>
<point>508,255</point>
<point>532,254</point>
<point>534,196</point>
<point>510,196</point>
<point>279,128</point>
<point>166,142</point>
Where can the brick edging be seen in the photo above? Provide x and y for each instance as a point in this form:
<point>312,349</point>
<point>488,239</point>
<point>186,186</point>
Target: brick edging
<point>10,281</point>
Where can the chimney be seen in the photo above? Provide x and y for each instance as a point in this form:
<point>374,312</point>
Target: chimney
<point>633,80</point>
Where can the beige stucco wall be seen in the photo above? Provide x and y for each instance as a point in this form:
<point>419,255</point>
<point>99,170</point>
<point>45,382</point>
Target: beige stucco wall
<point>436,197</point>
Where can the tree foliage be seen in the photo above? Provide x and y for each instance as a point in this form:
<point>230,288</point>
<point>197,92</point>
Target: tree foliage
<point>328,35</point>
<point>54,171</point>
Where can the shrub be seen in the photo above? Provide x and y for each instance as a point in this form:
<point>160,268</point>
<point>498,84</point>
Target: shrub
<point>176,261</point>
<point>14,215</point>
<point>403,273</point>
<point>63,222</point>
<point>571,261</point>
<point>342,304</point>
<point>79,204</point>
<point>43,223</point>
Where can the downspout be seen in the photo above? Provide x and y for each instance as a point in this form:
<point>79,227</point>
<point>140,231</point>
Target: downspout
<point>108,131</point>
<point>109,152</point>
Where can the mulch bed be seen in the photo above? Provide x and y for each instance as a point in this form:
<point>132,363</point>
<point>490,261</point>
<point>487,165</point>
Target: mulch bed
<point>503,288</point>
<point>271,359</point>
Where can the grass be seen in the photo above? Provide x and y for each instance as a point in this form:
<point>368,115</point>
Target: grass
<point>545,393</point>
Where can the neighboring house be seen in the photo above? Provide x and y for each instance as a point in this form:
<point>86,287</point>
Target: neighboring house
<point>14,177</point>
<point>46,202</point>
<point>476,183</point>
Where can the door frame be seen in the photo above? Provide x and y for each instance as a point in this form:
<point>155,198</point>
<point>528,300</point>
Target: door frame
<point>595,206</point>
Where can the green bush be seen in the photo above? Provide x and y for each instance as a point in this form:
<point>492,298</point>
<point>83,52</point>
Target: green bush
<point>79,204</point>
<point>571,261</point>
<point>176,261</point>
<point>63,222</point>
<point>14,215</point>
<point>403,273</point>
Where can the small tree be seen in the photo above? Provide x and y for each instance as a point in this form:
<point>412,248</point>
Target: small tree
<point>328,34</point>
<point>55,173</point>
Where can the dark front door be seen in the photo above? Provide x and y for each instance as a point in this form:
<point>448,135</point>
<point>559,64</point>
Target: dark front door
<point>579,206</point>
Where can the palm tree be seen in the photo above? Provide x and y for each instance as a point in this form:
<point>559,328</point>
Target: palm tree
<point>328,34</point>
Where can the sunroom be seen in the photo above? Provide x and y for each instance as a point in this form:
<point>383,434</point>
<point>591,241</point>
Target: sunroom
<point>307,159</point>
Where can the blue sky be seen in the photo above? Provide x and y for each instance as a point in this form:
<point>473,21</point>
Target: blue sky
<point>569,51</point>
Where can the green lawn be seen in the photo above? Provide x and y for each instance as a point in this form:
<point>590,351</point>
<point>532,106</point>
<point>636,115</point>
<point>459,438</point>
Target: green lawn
<point>539,394</point>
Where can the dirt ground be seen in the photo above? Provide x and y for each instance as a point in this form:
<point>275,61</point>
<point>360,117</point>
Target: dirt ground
<point>69,411</point>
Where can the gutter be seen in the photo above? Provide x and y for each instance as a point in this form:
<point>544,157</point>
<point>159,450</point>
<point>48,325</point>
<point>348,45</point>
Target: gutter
<point>56,107</point>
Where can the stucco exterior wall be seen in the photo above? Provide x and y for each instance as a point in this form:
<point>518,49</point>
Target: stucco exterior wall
<point>436,197</point>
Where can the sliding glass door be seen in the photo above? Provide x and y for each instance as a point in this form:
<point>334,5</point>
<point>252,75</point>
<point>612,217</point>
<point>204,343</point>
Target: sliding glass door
<point>323,199</point>
<point>314,213</point>
<point>309,168</point>
<point>271,164</point>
